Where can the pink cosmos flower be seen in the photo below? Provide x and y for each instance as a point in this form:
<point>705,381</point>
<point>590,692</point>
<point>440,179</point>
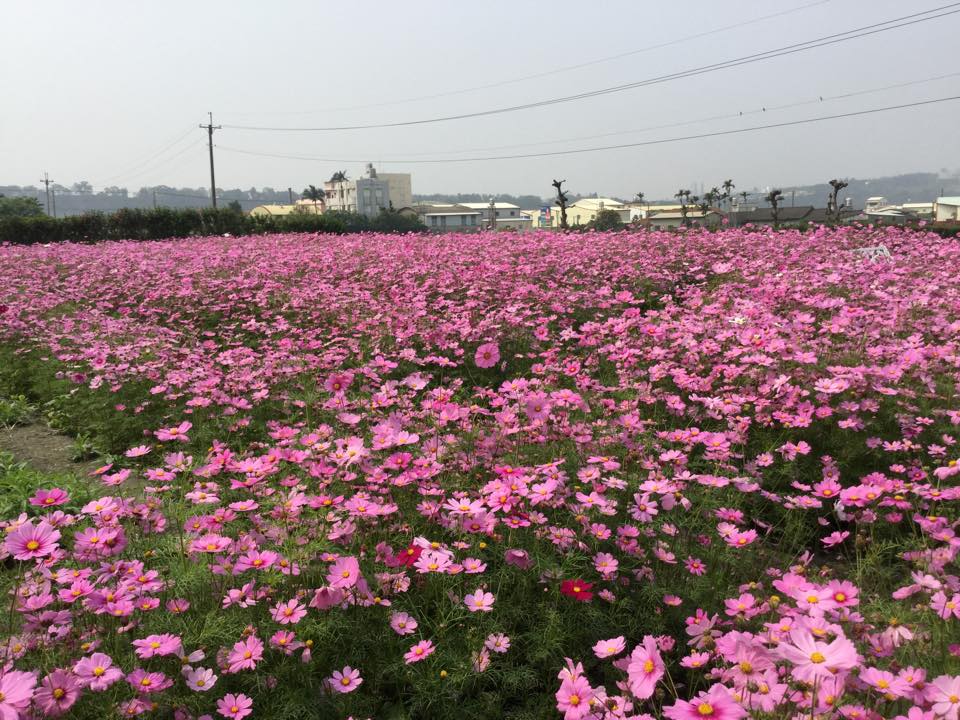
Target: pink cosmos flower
<point>49,498</point>
<point>944,694</point>
<point>16,691</point>
<point>944,606</point>
<point>645,668</point>
<point>30,541</point>
<point>518,558</point>
<point>289,613</point>
<point>479,601</point>
<point>346,680</point>
<point>200,679</point>
<point>144,682</point>
<point>157,645</point>
<point>574,698</point>
<point>420,651</point>
<point>609,648</point>
<point>498,642</point>
<point>487,355</point>
<point>234,707</point>
<point>245,654</point>
<point>97,672</point>
<point>57,693</point>
<point>175,433</point>
<point>402,623</point>
<point>813,659</point>
<point>344,572</point>
<point>714,704</point>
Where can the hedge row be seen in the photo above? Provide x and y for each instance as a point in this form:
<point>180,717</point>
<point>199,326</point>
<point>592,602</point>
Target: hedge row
<point>159,223</point>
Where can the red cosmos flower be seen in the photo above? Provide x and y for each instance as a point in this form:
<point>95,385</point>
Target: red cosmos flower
<point>577,589</point>
<point>410,555</point>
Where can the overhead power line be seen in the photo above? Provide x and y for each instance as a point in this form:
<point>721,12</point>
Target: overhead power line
<point>864,31</point>
<point>622,146</point>
<point>764,109</point>
<point>546,73</point>
<point>149,159</point>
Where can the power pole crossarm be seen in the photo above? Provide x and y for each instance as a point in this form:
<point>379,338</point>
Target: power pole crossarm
<point>210,127</point>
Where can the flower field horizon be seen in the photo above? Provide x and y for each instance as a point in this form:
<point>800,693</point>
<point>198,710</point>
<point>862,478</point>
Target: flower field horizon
<point>588,476</point>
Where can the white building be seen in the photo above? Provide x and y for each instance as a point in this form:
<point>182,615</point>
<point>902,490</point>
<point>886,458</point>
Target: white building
<point>506,215</point>
<point>947,208</point>
<point>441,217</point>
<point>399,188</point>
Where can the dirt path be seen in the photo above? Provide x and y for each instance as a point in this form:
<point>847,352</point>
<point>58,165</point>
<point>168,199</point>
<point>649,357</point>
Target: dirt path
<point>43,449</point>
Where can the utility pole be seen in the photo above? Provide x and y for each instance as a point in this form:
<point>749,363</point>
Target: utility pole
<point>493,214</point>
<point>213,182</point>
<point>46,181</point>
<point>154,199</point>
<point>290,194</point>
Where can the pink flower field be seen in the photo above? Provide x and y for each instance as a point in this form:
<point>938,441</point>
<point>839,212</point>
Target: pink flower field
<point>590,476</point>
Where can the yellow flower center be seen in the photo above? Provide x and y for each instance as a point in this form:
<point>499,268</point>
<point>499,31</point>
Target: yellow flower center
<point>58,693</point>
<point>746,666</point>
<point>98,671</point>
<point>817,657</point>
<point>705,709</point>
<point>574,700</point>
<point>33,545</point>
<point>648,666</point>
<point>345,681</point>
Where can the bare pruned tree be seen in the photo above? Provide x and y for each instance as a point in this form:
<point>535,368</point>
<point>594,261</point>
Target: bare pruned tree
<point>562,202</point>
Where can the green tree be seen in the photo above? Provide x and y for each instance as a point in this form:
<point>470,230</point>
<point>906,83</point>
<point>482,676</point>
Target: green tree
<point>774,197</point>
<point>605,220</point>
<point>19,207</point>
<point>314,193</point>
<point>234,206</point>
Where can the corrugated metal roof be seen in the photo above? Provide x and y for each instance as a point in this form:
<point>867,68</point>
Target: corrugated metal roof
<point>949,200</point>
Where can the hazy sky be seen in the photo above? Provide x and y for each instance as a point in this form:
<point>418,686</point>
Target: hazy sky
<point>96,90</point>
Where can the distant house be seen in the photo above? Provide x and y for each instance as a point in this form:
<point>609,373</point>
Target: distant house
<point>442,216</point>
<point>506,215</point>
<point>584,210</point>
<point>674,219</point>
<point>300,207</point>
<point>273,210</point>
<point>947,208</point>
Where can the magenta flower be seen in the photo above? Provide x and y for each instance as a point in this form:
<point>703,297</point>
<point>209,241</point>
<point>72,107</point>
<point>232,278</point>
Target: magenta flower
<point>97,672</point>
<point>245,654</point>
<point>813,659</point>
<point>944,694</point>
<point>421,651</point>
<point>175,433</point>
<point>497,642</point>
<point>148,682</point>
<point>645,668</point>
<point>289,613</point>
<point>609,648</point>
<point>346,680</point>
<point>49,498</point>
<point>479,601</point>
<point>945,606</point>
<point>234,707</point>
<point>157,646</point>
<point>574,698</point>
<point>29,541</point>
<point>200,679</point>
<point>487,355</point>
<point>402,623</point>
<point>16,691</point>
<point>344,572</point>
<point>714,704</point>
<point>57,693</point>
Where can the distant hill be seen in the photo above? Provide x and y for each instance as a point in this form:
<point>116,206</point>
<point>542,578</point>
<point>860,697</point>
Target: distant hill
<point>914,187</point>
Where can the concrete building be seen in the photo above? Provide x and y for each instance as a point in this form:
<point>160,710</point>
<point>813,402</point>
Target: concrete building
<point>585,209</point>
<point>399,188</point>
<point>370,194</point>
<point>507,215</point>
<point>947,209</point>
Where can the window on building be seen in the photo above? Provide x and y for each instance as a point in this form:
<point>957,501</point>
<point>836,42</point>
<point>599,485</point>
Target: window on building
<point>433,220</point>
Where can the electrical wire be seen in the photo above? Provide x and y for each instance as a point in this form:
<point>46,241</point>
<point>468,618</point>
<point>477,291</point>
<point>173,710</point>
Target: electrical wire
<point>545,73</point>
<point>149,159</point>
<point>864,31</point>
<point>622,146</point>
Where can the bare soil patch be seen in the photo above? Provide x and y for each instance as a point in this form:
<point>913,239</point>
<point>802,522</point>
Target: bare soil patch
<point>43,449</point>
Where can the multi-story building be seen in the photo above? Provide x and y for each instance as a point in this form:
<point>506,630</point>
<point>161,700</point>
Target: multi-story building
<point>370,194</point>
